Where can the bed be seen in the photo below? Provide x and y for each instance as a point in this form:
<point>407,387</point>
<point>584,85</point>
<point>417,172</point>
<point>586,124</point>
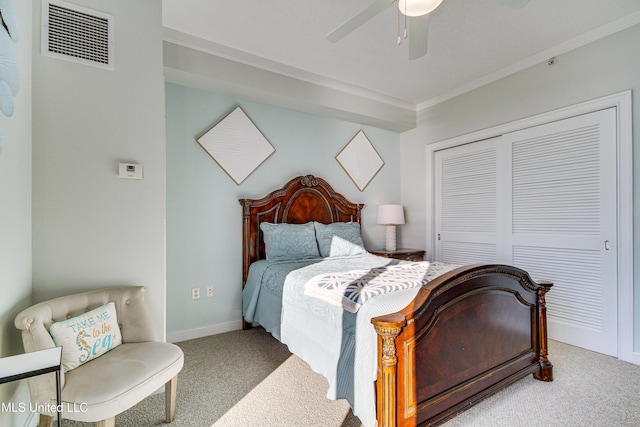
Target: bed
<point>415,356</point>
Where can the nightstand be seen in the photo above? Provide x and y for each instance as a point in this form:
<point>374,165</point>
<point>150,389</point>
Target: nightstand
<point>404,254</point>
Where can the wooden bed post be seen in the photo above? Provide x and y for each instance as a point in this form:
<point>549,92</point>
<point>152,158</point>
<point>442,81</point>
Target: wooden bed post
<point>246,254</point>
<point>387,379</point>
<point>246,249</point>
<point>546,368</point>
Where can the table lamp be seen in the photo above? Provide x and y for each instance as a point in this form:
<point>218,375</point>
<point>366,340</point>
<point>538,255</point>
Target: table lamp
<point>390,215</point>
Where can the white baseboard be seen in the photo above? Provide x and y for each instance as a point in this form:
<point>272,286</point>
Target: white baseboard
<point>205,331</point>
<point>32,420</point>
<point>635,358</point>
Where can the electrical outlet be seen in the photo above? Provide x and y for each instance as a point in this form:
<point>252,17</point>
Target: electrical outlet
<point>195,293</point>
<point>209,291</point>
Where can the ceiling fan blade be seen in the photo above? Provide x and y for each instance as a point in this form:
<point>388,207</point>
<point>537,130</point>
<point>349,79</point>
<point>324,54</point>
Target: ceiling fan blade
<point>418,36</point>
<point>511,3</point>
<point>362,17</point>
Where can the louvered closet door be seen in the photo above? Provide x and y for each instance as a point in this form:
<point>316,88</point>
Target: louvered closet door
<point>542,199</point>
<point>467,203</point>
<point>564,223</point>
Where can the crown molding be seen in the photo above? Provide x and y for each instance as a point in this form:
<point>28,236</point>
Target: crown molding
<point>345,101</point>
<point>543,56</point>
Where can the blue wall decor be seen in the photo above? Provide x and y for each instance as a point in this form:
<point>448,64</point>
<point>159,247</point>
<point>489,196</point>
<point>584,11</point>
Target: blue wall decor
<point>9,76</point>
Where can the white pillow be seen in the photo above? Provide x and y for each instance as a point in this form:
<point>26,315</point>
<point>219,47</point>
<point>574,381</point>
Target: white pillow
<point>87,336</point>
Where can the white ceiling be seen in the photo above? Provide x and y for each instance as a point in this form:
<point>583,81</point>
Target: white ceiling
<point>471,42</point>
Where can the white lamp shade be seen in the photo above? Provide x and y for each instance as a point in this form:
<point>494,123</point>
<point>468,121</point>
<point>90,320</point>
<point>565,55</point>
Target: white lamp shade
<point>417,7</point>
<point>390,214</point>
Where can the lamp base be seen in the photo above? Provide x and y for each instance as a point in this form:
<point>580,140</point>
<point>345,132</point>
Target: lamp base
<point>390,237</point>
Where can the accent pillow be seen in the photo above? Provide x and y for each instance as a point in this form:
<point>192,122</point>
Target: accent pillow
<point>339,239</point>
<point>87,336</point>
<point>289,241</point>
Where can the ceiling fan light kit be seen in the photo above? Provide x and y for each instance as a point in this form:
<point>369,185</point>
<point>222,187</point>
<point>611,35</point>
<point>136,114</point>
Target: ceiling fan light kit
<point>417,7</point>
<point>417,13</point>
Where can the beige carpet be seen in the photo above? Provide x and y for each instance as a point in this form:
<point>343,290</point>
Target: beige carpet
<point>589,389</point>
<point>248,379</point>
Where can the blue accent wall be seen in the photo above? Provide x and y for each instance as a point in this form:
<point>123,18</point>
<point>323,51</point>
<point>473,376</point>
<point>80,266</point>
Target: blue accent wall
<point>204,218</point>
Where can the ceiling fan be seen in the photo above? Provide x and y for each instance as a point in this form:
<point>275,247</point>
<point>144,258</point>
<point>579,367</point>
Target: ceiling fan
<point>417,13</point>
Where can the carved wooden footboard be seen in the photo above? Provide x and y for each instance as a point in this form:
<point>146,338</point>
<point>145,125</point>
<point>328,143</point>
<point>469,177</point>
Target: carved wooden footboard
<point>468,334</point>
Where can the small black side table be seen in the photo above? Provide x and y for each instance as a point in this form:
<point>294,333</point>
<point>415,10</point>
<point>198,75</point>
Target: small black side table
<point>31,364</point>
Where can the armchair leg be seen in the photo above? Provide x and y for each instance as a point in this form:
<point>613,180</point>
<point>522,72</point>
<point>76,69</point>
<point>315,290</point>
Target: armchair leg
<point>109,422</point>
<point>45,421</point>
<point>170,391</point>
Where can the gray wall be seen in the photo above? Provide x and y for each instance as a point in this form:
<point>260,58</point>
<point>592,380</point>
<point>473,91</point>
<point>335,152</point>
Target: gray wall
<point>605,67</point>
<point>90,228</point>
<point>15,213</point>
<point>204,218</point>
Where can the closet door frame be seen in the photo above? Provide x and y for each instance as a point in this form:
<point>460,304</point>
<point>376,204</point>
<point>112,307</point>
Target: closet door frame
<point>624,181</point>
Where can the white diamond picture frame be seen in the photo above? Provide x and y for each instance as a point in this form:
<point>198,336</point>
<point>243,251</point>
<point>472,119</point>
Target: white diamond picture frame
<point>236,145</point>
<point>360,160</point>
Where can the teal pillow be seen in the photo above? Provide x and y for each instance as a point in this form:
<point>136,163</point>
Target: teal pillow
<point>289,241</point>
<point>339,239</point>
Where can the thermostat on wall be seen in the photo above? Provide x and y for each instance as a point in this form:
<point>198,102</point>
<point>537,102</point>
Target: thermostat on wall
<point>130,171</point>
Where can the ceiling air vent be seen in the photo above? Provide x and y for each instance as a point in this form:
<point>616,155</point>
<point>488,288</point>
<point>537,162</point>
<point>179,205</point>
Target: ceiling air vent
<point>77,34</point>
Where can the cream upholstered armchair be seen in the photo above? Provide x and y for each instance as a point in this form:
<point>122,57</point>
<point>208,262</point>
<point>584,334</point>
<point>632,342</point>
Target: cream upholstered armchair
<point>127,365</point>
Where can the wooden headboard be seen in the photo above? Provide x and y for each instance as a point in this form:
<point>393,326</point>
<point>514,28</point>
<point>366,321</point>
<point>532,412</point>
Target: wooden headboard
<point>303,199</point>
